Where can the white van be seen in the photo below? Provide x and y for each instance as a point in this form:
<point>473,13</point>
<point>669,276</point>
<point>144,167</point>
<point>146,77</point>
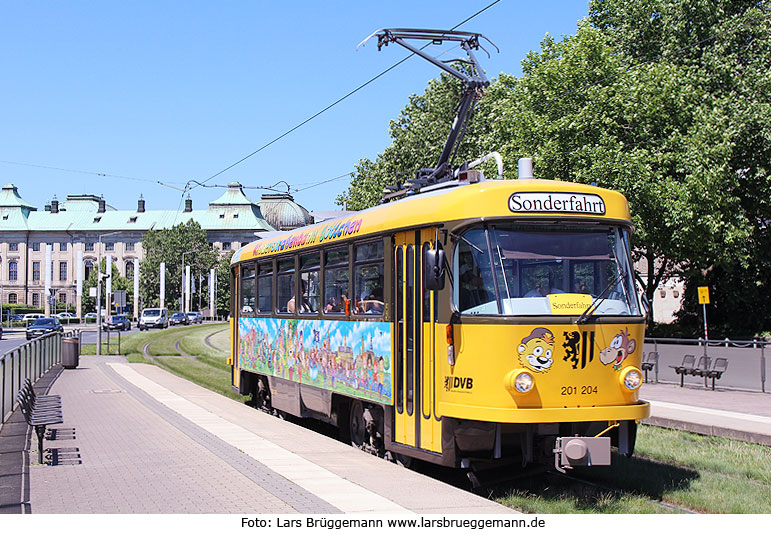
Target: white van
<point>154,317</point>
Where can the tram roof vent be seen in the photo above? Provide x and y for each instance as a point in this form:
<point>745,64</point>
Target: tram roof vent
<point>525,168</point>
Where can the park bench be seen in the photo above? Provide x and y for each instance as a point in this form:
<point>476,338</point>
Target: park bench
<point>686,367</point>
<point>719,367</point>
<point>39,413</point>
<point>37,400</point>
<point>649,361</point>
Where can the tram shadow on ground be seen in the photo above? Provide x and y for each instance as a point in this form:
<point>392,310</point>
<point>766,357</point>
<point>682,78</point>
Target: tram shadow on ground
<point>601,488</point>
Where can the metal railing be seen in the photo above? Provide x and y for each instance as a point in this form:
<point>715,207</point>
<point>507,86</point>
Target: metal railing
<point>746,360</point>
<point>27,361</point>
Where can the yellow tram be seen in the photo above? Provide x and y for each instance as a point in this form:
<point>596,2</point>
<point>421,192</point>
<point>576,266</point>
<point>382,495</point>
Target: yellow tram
<point>468,322</point>
<point>535,338</point>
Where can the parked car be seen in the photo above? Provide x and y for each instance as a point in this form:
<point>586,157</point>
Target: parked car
<point>32,317</point>
<point>43,326</point>
<point>194,317</point>
<point>118,322</point>
<point>90,316</point>
<point>179,318</point>
<point>65,316</point>
<point>154,317</point>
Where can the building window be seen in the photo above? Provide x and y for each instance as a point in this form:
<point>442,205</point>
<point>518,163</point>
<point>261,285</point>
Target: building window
<point>89,246</point>
<point>62,271</point>
<point>63,246</point>
<point>12,299</point>
<point>130,269</point>
<point>13,246</point>
<point>226,246</point>
<point>62,298</point>
<point>130,245</point>
<point>13,270</point>
<point>36,246</point>
<point>109,246</point>
<point>89,265</point>
<point>35,300</point>
<point>35,271</point>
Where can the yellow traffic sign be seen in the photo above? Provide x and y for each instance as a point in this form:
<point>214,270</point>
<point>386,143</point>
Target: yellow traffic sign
<point>703,295</point>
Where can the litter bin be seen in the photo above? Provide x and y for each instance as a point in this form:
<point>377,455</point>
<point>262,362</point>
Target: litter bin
<point>70,353</point>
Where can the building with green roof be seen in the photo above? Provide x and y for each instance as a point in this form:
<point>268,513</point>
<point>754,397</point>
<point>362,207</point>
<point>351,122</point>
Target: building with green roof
<point>76,226</point>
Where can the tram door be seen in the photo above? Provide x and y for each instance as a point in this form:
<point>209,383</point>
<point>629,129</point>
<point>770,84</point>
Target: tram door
<point>416,423</point>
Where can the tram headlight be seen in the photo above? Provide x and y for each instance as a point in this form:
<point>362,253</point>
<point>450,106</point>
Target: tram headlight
<point>519,381</point>
<point>631,378</point>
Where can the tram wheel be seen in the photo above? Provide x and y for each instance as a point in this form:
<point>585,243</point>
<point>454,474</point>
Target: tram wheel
<point>357,426</point>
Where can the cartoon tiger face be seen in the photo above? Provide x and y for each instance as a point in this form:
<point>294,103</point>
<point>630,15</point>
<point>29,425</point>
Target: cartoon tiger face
<point>535,351</point>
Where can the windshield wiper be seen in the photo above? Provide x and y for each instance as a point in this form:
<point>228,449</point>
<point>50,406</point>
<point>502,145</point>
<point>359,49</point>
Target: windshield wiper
<point>599,299</point>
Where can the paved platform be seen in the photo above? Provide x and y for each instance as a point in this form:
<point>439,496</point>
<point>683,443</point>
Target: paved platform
<point>722,412</point>
<point>137,439</point>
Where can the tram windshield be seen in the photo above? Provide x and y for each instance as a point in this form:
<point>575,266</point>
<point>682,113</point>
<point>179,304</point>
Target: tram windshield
<point>540,269</point>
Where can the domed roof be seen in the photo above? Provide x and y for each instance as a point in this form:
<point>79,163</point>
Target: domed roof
<point>280,210</point>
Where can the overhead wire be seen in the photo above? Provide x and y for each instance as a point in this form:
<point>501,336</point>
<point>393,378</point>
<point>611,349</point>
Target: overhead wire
<point>335,103</point>
<point>192,184</point>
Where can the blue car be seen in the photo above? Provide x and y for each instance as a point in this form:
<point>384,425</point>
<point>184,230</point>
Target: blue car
<point>42,326</point>
<point>118,322</point>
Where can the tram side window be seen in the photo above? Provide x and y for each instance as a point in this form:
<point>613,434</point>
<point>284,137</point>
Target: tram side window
<point>265,288</point>
<point>310,269</point>
<point>247,290</point>
<point>285,286</point>
<point>368,278</point>
<point>336,280</point>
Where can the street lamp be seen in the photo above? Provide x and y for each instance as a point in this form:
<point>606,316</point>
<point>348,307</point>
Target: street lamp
<point>99,293</point>
<point>184,279</point>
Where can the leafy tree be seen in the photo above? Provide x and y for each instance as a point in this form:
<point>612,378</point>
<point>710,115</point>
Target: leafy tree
<point>222,272</point>
<point>667,101</point>
<point>721,48</point>
<point>167,246</point>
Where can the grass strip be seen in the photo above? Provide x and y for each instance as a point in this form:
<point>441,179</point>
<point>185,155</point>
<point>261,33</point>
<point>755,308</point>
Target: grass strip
<point>201,374</point>
<point>681,469</point>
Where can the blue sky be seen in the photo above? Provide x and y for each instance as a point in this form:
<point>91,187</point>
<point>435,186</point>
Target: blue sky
<point>176,91</point>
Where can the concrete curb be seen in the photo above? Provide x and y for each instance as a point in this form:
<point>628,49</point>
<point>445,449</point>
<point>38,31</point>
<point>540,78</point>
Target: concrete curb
<point>708,430</point>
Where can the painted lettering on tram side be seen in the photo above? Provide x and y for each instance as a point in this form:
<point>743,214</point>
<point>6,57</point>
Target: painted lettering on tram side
<point>311,236</point>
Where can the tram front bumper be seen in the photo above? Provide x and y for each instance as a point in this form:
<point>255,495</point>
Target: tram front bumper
<point>635,411</point>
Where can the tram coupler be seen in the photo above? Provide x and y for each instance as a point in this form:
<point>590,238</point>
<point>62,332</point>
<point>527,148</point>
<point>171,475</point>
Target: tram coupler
<point>581,451</point>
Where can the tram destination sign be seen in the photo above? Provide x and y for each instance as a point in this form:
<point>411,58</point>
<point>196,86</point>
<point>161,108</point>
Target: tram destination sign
<point>574,203</point>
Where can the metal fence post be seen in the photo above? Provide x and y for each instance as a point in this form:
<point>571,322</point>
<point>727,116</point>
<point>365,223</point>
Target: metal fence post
<point>2,389</point>
<point>763,367</point>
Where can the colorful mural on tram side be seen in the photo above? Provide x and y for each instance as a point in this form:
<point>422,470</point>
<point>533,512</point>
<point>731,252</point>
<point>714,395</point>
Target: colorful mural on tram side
<point>348,357</point>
